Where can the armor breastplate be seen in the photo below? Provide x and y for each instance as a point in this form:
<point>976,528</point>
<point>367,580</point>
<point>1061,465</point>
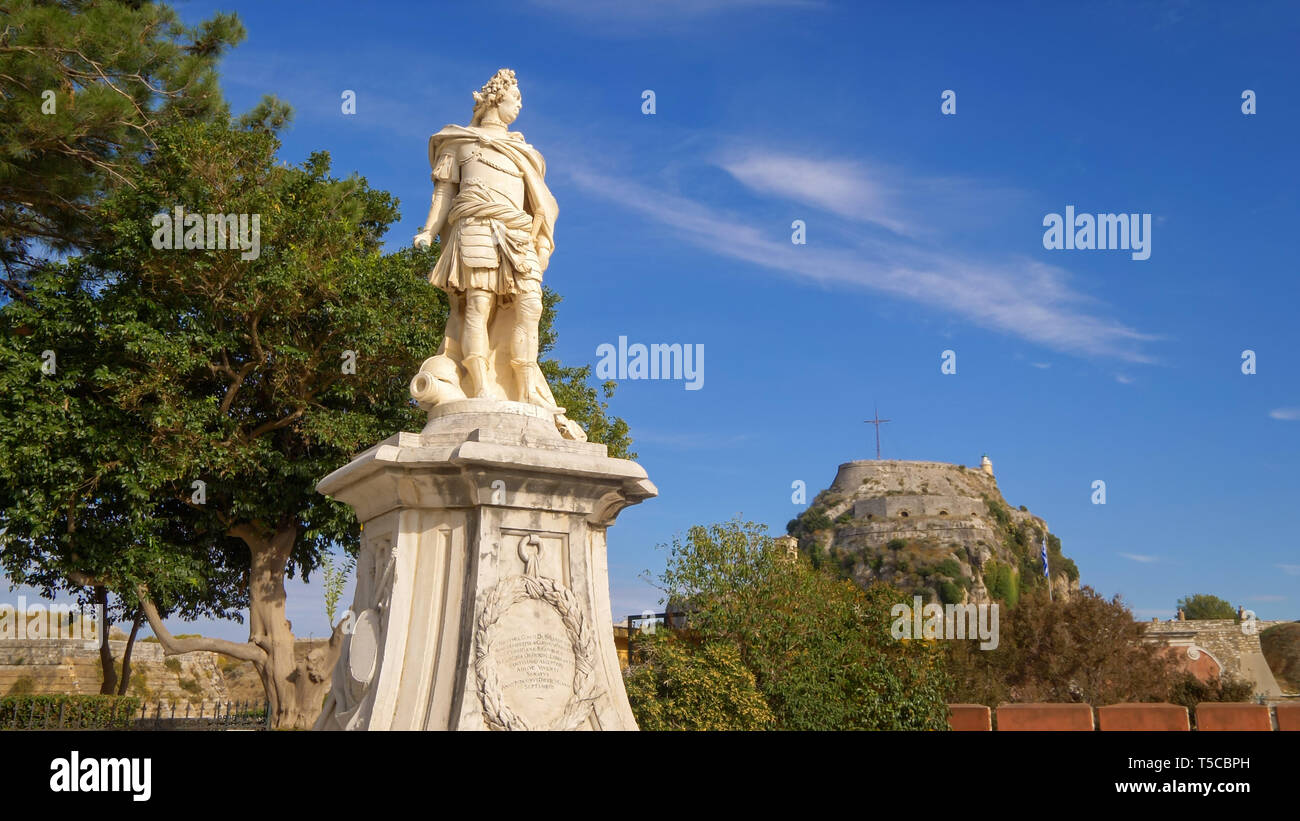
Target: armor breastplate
<point>497,173</point>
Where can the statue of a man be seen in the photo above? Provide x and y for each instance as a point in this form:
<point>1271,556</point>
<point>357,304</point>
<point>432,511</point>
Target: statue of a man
<point>496,220</point>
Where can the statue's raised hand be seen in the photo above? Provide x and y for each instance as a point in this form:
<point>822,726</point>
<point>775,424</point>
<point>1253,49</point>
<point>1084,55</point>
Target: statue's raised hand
<point>423,239</point>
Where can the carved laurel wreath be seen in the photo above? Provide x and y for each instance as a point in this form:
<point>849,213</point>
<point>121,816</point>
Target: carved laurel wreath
<point>509,592</point>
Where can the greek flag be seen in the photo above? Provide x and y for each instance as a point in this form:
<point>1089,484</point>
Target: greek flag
<point>1043,555</point>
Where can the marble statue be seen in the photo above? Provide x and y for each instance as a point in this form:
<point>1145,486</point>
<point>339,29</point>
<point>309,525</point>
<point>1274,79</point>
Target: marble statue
<point>495,218</point>
<point>482,578</point>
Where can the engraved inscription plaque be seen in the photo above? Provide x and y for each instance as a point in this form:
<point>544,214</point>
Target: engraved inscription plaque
<point>535,662</point>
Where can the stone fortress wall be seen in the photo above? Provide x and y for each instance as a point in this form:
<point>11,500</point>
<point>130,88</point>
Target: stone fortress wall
<point>903,507</point>
<point>939,478</point>
<point>933,502</point>
<point>72,666</point>
<point>1230,650</point>
<point>896,490</point>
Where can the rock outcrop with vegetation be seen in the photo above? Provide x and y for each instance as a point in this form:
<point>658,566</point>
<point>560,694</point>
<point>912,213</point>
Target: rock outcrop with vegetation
<point>933,529</point>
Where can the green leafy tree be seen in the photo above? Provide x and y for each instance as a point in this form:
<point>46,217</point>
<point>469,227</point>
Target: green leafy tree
<point>173,455</point>
<point>680,683</point>
<point>1205,606</point>
<point>84,87</point>
<point>818,646</point>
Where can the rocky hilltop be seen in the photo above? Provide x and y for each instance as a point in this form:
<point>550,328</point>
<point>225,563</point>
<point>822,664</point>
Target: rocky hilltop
<point>933,529</point>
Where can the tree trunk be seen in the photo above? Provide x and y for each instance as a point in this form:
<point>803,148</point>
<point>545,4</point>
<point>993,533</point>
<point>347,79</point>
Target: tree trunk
<point>126,654</point>
<point>295,688</point>
<point>109,684</point>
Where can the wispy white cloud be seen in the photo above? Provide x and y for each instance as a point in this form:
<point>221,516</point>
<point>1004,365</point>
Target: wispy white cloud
<point>1290,569</point>
<point>1285,414</point>
<point>1124,379</point>
<point>1019,296</point>
<point>864,192</point>
<point>1138,557</point>
<point>1267,598</point>
<point>842,187</point>
<point>1041,365</point>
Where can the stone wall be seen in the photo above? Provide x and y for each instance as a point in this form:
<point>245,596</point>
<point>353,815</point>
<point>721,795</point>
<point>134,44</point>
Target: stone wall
<point>73,667</point>
<point>906,506</point>
<point>879,477</point>
<point>1236,652</point>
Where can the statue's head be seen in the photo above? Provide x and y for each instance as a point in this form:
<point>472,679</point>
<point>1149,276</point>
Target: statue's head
<point>501,94</point>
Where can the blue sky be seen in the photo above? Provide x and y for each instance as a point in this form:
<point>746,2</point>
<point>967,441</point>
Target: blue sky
<point>924,234</point>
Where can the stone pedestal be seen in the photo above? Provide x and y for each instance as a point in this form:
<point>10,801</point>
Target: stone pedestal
<point>482,597</point>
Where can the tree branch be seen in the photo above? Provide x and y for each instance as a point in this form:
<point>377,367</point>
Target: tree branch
<point>234,386</point>
<point>267,427</point>
<point>173,646</point>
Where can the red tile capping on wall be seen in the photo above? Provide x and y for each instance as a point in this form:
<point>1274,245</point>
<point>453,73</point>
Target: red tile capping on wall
<point>1143,717</point>
<point>1232,716</point>
<point>969,717</point>
<point>1044,717</point>
<point>1288,717</point>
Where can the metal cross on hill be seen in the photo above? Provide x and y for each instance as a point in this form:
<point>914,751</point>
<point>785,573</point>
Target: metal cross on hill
<point>877,421</point>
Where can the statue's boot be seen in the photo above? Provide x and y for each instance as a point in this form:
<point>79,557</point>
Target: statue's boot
<point>476,367</point>
<point>526,376</point>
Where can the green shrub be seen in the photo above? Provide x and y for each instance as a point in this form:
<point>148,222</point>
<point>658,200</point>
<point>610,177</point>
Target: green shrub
<point>1003,583</point>
<point>1189,691</point>
<point>949,568</point>
<point>1031,572</point>
<point>1057,560</point>
<point>87,712</point>
<point>173,665</point>
<point>896,544</point>
<point>999,512</point>
<point>847,560</point>
<point>680,683</point>
<point>819,648</point>
<point>1017,538</point>
<point>815,519</point>
<point>950,593</point>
